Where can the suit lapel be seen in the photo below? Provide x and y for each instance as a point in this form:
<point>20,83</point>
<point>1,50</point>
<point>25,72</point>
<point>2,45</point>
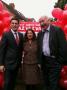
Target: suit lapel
<point>50,35</point>
<point>41,38</point>
<point>51,39</point>
<point>19,37</point>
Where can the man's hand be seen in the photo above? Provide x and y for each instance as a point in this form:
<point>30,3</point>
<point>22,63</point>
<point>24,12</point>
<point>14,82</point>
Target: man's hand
<point>2,68</point>
<point>39,66</point>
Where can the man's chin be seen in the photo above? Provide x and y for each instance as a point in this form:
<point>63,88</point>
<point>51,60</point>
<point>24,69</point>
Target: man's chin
<point>15,30</point>
<point>44,27</point>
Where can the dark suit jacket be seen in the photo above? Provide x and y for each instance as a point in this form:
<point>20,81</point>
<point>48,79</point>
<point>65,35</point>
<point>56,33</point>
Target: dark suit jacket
<point>10,52</point>
<point>57,44</point>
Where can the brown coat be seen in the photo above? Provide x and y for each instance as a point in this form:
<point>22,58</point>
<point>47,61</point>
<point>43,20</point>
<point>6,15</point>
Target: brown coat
<point>30,67</point>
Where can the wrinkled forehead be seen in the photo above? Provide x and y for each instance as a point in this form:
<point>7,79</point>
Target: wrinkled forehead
<point>44,18</point>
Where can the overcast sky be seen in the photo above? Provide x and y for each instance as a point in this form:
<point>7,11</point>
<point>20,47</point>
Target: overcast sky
<point>33,8</point>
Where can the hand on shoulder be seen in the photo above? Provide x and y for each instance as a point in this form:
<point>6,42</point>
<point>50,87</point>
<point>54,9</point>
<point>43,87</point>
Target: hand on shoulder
<point>2,68</point>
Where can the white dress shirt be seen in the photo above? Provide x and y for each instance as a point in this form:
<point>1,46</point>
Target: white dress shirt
<point>45,48</point>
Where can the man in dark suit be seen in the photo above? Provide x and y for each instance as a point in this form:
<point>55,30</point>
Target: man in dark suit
<point>52,50</point>
<point>11,48</point>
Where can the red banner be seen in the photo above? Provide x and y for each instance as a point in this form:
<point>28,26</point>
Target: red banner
<point>26,25</point>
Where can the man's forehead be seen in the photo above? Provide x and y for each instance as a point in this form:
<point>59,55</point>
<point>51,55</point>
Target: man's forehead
<point>43,18</point>
<point>14,21</point>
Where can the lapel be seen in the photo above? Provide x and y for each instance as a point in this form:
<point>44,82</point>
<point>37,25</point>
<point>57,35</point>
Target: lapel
<point>52,40</point>
<point>19,37</point>
<point>50,35</point>
<point>41,38</point>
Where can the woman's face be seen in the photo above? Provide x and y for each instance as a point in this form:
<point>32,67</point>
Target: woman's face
<point>30,35</point>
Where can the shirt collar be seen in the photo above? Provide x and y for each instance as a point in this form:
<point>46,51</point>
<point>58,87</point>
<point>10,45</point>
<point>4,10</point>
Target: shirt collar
<point>48,29</point>
<point>13,31</point>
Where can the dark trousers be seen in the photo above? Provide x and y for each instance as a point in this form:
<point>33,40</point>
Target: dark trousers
<point>10,79</point>
<point>51,73</point>
<point>32,87</point>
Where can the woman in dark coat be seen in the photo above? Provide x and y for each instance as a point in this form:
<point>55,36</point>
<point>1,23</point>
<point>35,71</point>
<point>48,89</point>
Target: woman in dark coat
<point>31,74</point>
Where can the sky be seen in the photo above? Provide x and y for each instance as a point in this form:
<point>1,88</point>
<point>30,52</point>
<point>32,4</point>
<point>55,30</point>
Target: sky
<point>34,8</point>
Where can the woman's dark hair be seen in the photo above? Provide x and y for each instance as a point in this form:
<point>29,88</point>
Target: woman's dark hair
<point>15,18</point>
<point>34,35</point>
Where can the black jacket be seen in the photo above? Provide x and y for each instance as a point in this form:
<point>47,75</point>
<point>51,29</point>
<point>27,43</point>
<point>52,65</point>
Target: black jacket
<point>57,44</point>
<point>10,52</point>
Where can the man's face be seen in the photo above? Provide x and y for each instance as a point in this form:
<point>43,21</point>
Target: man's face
<point>44,23</point>
<point>14,25</point>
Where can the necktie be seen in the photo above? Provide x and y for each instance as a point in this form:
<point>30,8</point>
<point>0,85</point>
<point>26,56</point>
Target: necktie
<point>16,38</point>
